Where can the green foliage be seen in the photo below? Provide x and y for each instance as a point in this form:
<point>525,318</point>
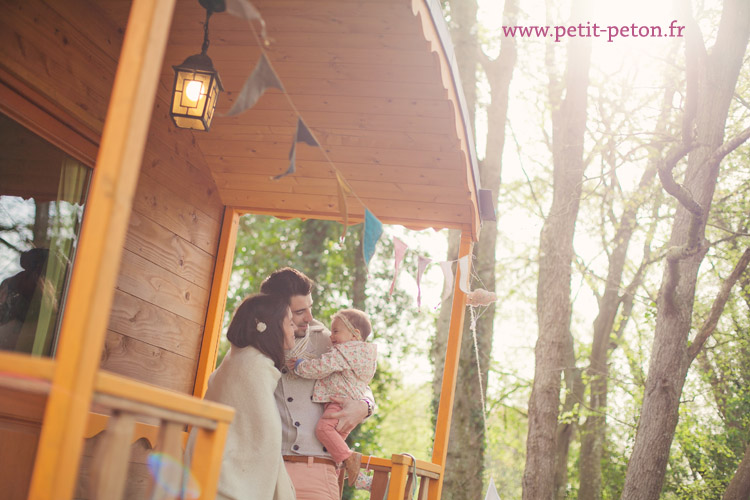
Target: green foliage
<point>264,244</point>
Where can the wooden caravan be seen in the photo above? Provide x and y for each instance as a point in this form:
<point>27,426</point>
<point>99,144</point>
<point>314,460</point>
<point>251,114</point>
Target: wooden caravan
<point>132,221</point>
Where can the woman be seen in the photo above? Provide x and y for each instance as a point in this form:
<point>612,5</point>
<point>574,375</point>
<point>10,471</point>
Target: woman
<point>252,467</point>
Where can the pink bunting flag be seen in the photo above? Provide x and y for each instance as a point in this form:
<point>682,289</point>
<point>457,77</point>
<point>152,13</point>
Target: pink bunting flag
<point>422,263</point>
<point>399,248</point>
<point>448,279</point>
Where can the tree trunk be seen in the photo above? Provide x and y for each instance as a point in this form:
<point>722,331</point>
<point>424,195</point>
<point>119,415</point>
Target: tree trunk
<point>739,486</point>
<point>359,282</point>
<point>593,435</point>
<point>556,254</point>
<point>440,342</point>
<point>465,461</point>
<point>312,244</point>
<point>711,94</point>
<point>463,16</point>
<point>41,224</point>
<point>574,390</point>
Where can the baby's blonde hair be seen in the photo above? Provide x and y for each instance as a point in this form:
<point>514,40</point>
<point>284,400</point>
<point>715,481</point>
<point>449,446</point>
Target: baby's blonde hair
<point>358,319</point>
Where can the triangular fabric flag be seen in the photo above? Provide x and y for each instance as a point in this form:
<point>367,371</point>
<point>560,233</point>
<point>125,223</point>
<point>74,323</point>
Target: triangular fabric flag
<point>492,491</point>
<point>302,134</point>
<point>373,231</point>
<point>344,189</point>
<point>245,10</point>
<point>399,250</point>
<point>422,263</point>
<point>263,77</point>
<point>448,279</point>
<point>463,268</point>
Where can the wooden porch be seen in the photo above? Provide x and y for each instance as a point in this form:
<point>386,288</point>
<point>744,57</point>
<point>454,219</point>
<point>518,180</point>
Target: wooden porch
<point>143,310</point>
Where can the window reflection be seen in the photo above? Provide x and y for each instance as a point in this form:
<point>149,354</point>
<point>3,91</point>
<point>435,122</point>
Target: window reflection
<point>42,196</point>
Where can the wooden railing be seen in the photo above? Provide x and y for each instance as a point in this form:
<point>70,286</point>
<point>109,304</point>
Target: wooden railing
<point>399,479</point>
<point>131,401</point>
<point>133,410</point>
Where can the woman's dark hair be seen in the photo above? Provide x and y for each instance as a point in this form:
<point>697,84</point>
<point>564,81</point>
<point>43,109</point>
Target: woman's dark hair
<point>246,327</point>
<point>287,282</point>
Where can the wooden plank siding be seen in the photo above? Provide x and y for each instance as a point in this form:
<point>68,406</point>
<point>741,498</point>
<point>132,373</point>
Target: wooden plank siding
<point>65,52</point>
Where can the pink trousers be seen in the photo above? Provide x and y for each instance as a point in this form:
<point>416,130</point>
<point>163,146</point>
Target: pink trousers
<point>333,440</point>
<point>314,481</point>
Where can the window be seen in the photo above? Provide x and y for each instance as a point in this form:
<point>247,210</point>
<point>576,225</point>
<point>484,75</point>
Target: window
<point>42,197</point>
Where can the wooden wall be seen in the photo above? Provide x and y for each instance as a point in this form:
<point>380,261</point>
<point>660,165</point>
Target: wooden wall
<point>159,310</point>
<point>66,52</point>
<point>62,55</point>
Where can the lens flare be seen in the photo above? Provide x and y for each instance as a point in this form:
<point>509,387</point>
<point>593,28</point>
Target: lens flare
<point>172,476</point>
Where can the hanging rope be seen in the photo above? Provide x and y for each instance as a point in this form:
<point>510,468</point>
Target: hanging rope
<point>473,328</point>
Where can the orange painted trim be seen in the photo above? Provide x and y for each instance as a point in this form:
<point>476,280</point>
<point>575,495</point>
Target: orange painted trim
<point>98,422</point>
<point>133,390</point>
<point>450,372</point>
<point>217,301</point>
<point>24,366</point>
<point>105,224</point>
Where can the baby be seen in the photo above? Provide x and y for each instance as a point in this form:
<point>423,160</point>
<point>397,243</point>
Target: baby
<point>343,371</point>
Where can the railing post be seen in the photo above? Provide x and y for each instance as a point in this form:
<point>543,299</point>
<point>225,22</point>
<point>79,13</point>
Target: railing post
<point>110,465</point>
<point>103,233</point>
<point>205,464</point>
<point>450,372</point>
<point>399,473</point>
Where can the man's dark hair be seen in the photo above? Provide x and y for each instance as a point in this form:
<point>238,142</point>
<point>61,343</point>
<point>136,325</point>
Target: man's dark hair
<point>287,282</point>
<point>258,322</point>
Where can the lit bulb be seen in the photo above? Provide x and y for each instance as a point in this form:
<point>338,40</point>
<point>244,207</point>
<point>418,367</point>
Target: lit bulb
<point>193,90</point>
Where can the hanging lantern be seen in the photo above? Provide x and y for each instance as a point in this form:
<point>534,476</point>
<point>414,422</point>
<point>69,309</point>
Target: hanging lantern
<point>196,88</point>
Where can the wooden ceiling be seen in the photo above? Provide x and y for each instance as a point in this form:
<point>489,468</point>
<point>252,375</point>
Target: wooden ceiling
<point>372,81</point>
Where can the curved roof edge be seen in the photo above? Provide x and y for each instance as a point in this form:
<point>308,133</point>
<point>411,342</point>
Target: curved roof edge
<point>438,21</point>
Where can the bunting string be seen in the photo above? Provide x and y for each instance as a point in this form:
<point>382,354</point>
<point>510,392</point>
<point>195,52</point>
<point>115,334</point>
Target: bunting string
<point>264,76</point>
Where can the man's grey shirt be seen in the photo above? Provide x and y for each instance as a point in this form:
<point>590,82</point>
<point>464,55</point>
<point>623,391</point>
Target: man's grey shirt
<point>299,414</point>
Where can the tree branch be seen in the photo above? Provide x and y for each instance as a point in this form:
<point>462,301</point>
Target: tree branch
<point>709,325</point>
<point>666,166</point>
<point>729,146</point>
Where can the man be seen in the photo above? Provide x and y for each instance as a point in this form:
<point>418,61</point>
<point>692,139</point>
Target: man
<point>310,466</point>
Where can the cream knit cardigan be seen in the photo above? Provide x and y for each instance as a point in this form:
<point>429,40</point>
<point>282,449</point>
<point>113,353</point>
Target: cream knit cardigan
<point>252,465</point>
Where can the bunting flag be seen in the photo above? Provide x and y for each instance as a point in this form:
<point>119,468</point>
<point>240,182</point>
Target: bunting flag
<point>263,77</point>
<point>245,10</point>
<point>492,491</point>
<point>344,189</point>
<point>373,231</point>
<point>302,134</point>
<point>463,269</point>
<point>448,279</point>
<point>399,250</point>
<point>422,263</point>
